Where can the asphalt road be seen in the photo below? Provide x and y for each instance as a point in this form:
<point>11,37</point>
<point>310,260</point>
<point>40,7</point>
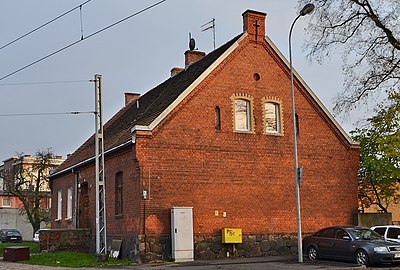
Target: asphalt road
<point>278,263</point>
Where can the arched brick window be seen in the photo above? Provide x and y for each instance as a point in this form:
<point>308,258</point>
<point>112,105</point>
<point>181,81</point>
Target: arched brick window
<point>272,112</point>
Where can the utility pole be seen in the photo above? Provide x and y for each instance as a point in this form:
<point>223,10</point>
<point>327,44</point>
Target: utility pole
<point>100,180</point>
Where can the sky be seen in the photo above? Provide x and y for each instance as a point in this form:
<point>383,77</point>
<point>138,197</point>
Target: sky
<point>132,56</point>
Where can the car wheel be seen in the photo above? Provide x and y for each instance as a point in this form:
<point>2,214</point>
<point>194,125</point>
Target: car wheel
<point>362,258</point>
<point>312,253</point>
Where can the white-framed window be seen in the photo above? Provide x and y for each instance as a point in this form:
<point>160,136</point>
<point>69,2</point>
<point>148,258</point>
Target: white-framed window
<point>242,109</point>
<point>242,115</point>
<point>272,117</point>
<point>69,204</point>
<point>59,205</point>
<point>1,183</point>
<point>6,202</point>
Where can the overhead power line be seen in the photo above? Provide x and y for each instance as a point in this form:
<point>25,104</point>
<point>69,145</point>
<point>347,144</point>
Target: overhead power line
<point>31,83</point>
<point>82,39</point>
<point>43,25</point>
<point>42,114</point>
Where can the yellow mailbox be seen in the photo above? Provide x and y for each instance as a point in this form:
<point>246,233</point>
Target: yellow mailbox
<point>232,235</point>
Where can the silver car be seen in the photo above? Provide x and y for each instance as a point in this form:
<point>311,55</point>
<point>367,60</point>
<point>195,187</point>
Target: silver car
<point>389,232</point>
<point>36,235</point>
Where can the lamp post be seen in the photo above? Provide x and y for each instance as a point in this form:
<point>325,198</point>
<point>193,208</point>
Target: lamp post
<point>307,9</point>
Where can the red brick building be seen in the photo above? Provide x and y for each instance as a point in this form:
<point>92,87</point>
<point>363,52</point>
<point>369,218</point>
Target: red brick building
<point>216,136</point>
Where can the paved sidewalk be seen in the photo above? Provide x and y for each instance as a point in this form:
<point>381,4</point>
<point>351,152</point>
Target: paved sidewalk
<point>272,262</point>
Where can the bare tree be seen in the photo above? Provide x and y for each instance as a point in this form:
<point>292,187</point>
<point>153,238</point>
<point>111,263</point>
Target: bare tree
<point>367,33</point>
<point>28,181</point>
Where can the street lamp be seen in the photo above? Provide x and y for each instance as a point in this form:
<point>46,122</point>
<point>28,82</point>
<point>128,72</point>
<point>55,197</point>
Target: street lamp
<point>307,9</point>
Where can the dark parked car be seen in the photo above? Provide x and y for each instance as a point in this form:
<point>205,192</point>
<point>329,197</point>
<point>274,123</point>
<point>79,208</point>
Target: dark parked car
<point>10,235</point>
<point>358,244</point>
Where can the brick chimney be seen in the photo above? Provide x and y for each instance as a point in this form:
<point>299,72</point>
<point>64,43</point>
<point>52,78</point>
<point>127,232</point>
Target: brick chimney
<point>192,56</point>
<point>129,97</point>
<point>254,24</point>
<point>176,70</point>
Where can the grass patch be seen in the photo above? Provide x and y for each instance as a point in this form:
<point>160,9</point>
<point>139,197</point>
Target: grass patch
<point>71,259</point>
<point>33,247</point>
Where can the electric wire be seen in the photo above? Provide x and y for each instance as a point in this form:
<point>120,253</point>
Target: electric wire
<point>45,114</point>
<point>37,83</point>
<point>80,13</point>
<point>76,42</point>
<point>43,25</point>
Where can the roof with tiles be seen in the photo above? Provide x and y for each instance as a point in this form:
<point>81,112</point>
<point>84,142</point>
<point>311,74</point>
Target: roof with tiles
<point>117,131</point>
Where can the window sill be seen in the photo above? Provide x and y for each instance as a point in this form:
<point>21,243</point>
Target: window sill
<point>119,216</point>
<point>244,132</point>
<point>58,220</point>
<point>68,219</point>
<point>273,134</point>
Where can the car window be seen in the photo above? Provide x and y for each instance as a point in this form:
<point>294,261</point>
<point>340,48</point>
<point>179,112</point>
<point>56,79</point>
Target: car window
<point>340,233</point>
<point>327,233</point>
<point>380,230</point>
<point>365,234</point>
<point>13,233</point>
<point>393,233</point>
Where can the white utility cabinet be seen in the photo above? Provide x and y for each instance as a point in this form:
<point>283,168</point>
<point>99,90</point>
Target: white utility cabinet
<point>182,234</point>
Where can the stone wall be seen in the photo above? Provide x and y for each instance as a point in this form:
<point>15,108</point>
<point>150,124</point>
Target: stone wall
<point>158,248</point>
<point>65,239</point>
<point>209,247</point>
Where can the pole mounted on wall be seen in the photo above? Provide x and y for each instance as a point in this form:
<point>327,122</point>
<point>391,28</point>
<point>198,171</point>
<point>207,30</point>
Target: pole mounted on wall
<point>307,9</point>
<point>100,180</point>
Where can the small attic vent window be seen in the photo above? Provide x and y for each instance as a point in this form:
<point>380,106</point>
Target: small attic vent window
<point>217,118</point>
<point>137,104</point>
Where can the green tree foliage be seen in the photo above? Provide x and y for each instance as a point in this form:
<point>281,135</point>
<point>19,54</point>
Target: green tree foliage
<point>379,174</point>
<point>367,34</point>
<point>29,183</point>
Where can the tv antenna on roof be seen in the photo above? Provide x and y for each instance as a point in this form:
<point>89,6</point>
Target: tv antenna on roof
<point>210,25</point>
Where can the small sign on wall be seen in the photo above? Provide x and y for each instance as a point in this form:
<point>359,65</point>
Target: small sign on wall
<point>115,249</point>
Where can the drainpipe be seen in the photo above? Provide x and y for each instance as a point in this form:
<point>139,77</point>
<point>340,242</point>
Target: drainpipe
<point>144,223</point>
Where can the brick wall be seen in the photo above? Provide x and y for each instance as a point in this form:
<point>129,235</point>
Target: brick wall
<point>247,176</point>
<point>127,226</point>
<point>230,179</point>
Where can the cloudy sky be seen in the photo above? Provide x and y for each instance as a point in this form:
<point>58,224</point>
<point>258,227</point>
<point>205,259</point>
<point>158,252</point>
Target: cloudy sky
<point>132,56</point>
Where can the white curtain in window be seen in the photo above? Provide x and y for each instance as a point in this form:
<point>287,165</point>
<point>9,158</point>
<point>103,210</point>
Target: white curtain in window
<point>242,115</point>
<point>59,205</point>
<point>69,204</point>
<point>271,117</point>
